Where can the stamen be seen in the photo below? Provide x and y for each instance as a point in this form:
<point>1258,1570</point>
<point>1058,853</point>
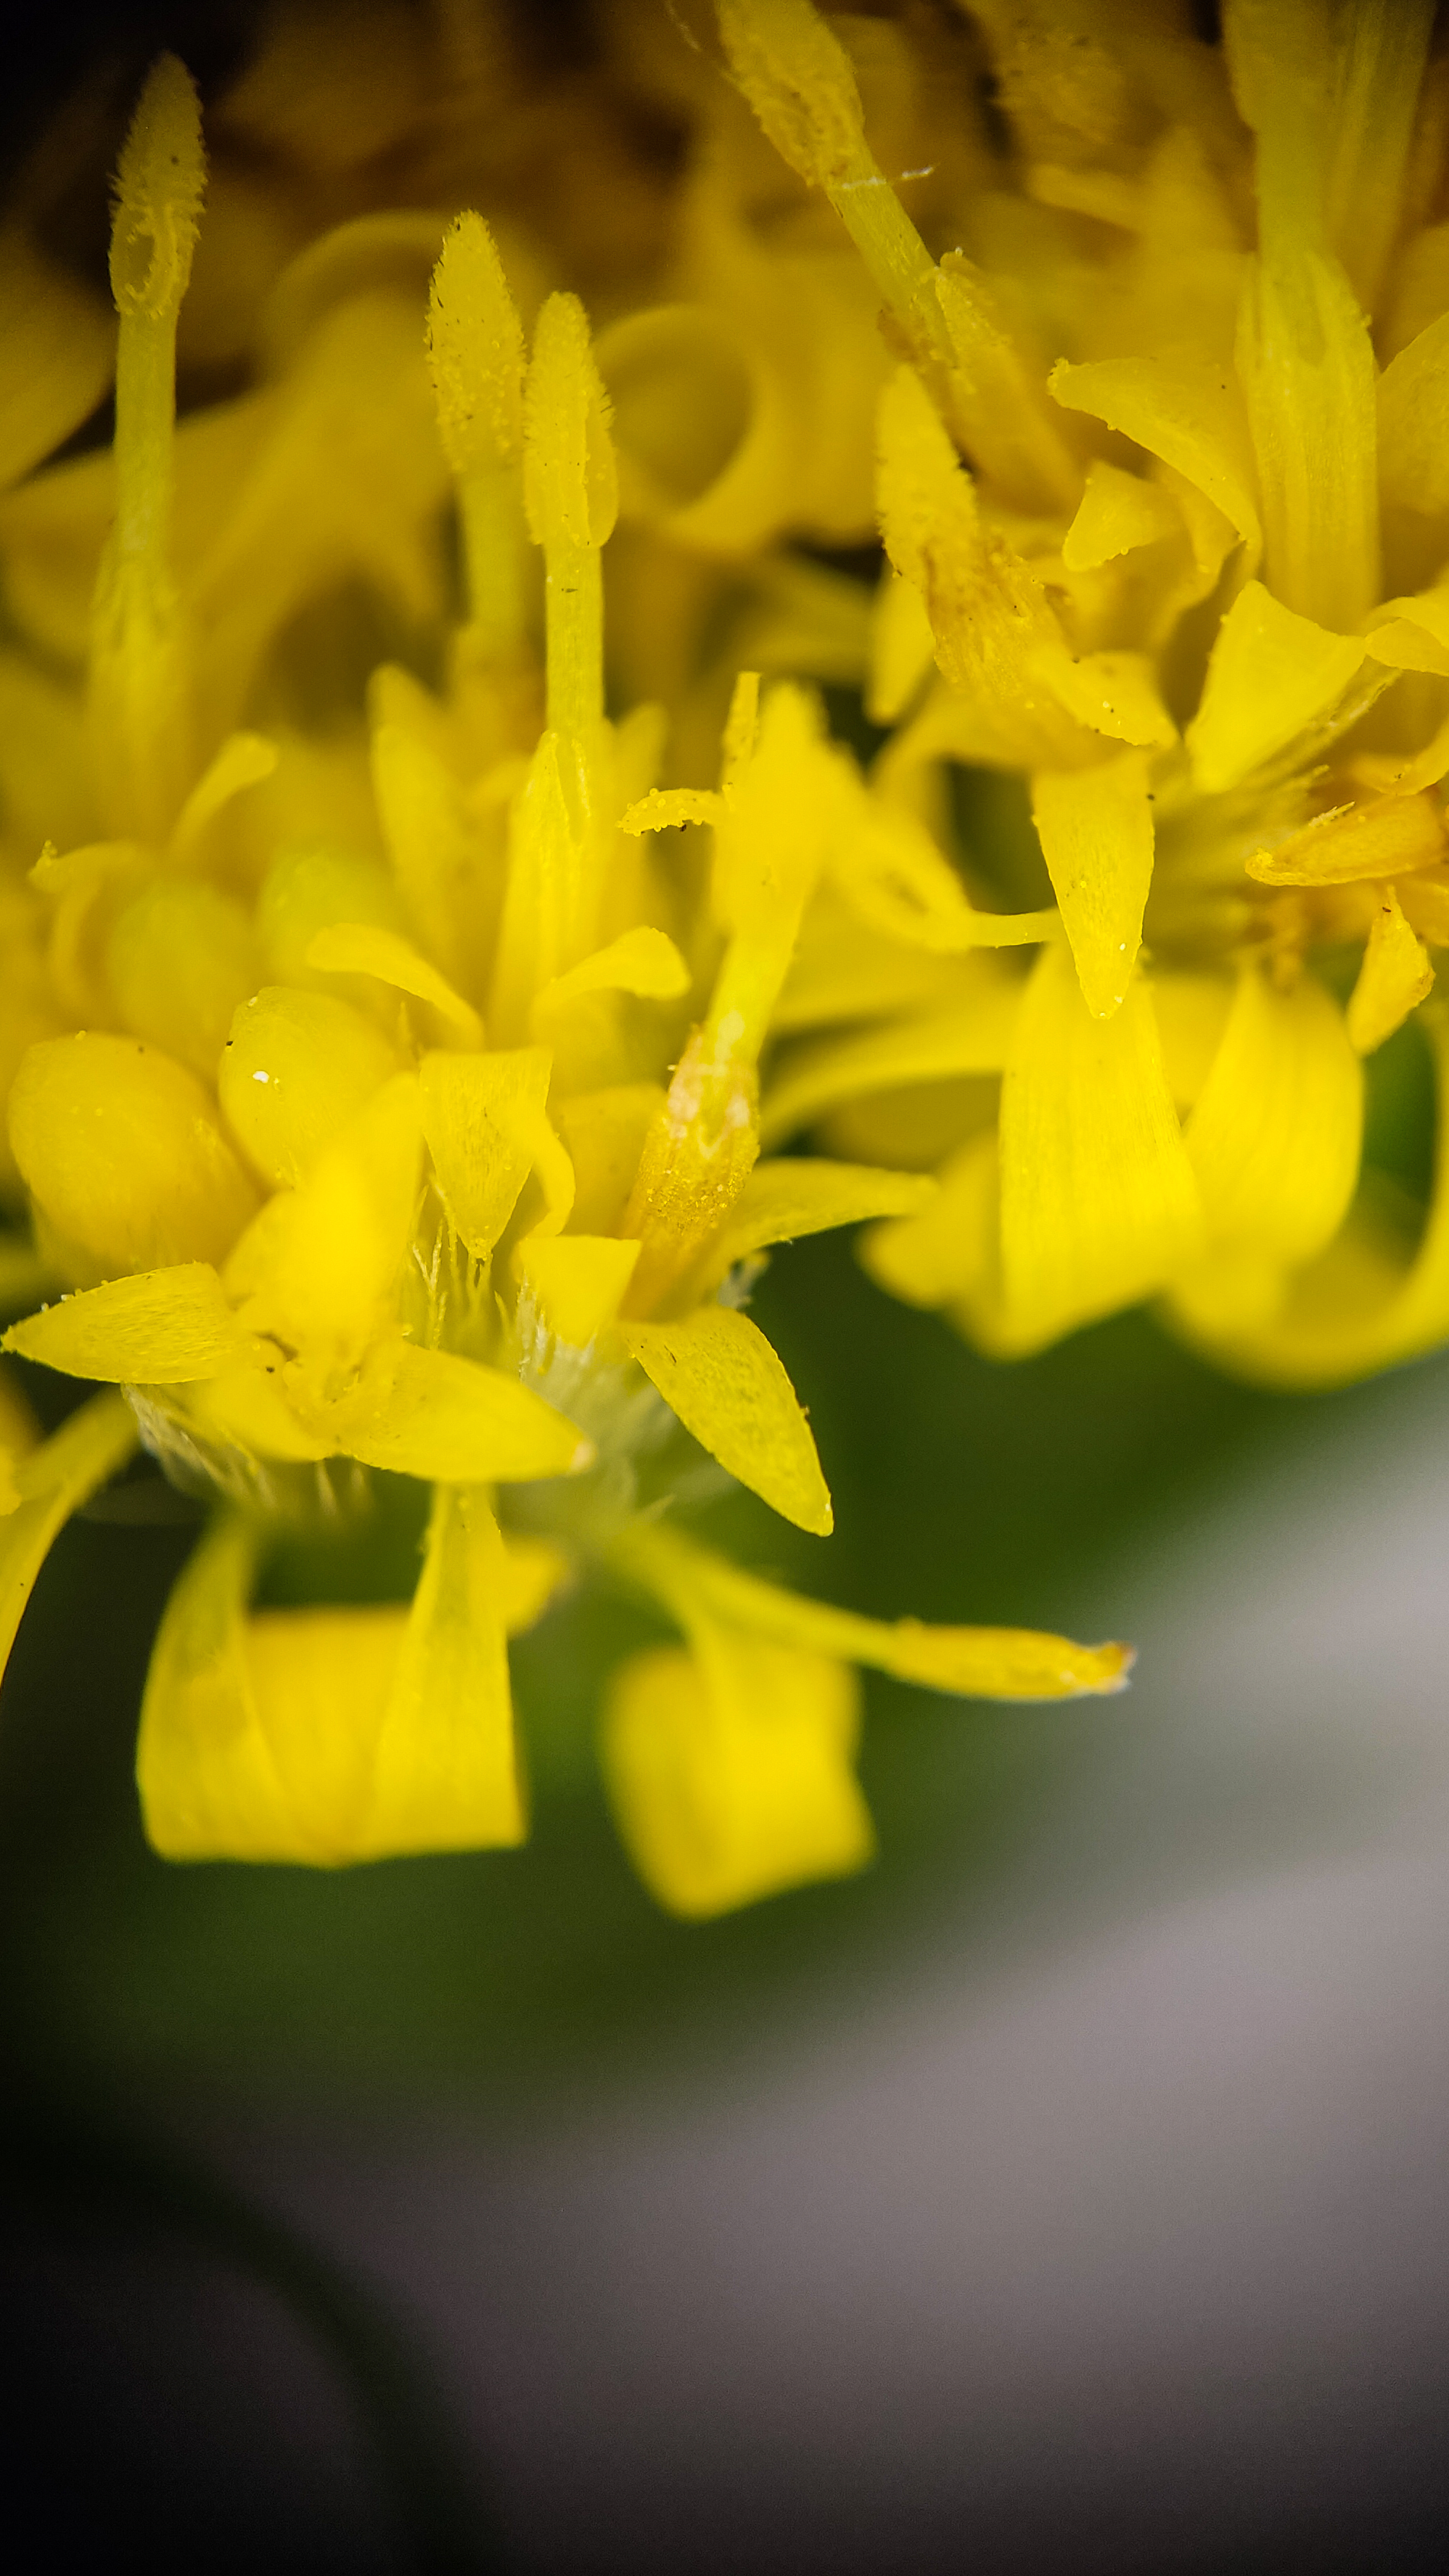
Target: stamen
<point>138,686</point>
<point>798,80</point>
<point>570,489</point>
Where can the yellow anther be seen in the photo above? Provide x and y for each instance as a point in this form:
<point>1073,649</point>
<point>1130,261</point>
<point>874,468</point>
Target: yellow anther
<point>476,360</point>
<point>159,189</point>
<point>475,352</point>
<point>798,80</point>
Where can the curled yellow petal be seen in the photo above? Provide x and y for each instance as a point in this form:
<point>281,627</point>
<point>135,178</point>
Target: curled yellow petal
<point>729,1771</point>
<point>1182,409</point>
<point>641,961</point>
<point>1118,512</point>
<point>1392,981</point>
<point>257,1735</point>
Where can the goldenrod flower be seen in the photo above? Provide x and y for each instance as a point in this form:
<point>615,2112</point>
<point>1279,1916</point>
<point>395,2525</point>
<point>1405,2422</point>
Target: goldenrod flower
<point>385,1101</point>
<point>1162,485</point>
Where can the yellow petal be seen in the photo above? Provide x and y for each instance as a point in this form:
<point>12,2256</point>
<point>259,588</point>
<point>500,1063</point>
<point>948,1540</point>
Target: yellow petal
<point>1393,979</point>
<point>701,1588</point>
<point>641,961</point>
<point>483,1119</point>
<point>1115,693</point>
<point>445,1770</point>
<point>1181,409</point>
<point>844,970</point>
<point>53,1481</point>
<point>1412,634</point>
<point>891,873</point>
<point>819,1074</point>
<point>362,948</point>
<point>1364,1305</point>
<point>1118,512</point>
<point>118,1145</point>
<point>245,1407</point>
<point>1306,365</point>
<point>1412,397</point>
<point>1380,839</point>
<point>716,1370</point>
<point>180,961</point>
<point>1270,675</point>
<point>243,761</point>
<point>429,834</point>
<point>257,1736</point>
<point>307,890</point>
<point>1275,1136</point>
<point>297,1069</point>
<point>1098,1200</point>
<point>1095,828</point>
<point>577,1281</point>
<point>321,1275</point>
<point>782,1200</point>
<point>452,1421</point>
<point>159,1328</point>
<point>1192,1011</point>
<point>730,1773</point>
<point>603,1135</point>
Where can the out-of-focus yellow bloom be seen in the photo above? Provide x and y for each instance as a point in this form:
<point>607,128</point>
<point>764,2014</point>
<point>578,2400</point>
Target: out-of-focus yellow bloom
<point>1162,485</point>
<point>385,1084</point>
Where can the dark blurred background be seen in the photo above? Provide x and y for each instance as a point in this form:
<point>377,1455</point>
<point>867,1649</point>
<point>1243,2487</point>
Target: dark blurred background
<point>1066,2193</point>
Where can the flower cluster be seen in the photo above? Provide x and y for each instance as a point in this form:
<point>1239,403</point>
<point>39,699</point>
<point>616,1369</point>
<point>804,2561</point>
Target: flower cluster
<point>384,1063</point>
<point>399,1049</point>
<point>1187,587</point>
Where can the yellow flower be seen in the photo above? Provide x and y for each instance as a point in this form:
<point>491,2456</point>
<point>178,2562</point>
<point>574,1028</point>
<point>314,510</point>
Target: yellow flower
<point>386,1101</point>
<point>1161,482</point>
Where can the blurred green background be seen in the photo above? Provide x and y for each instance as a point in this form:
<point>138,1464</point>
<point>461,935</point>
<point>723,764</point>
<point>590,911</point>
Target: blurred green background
<point>963,1491</point>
